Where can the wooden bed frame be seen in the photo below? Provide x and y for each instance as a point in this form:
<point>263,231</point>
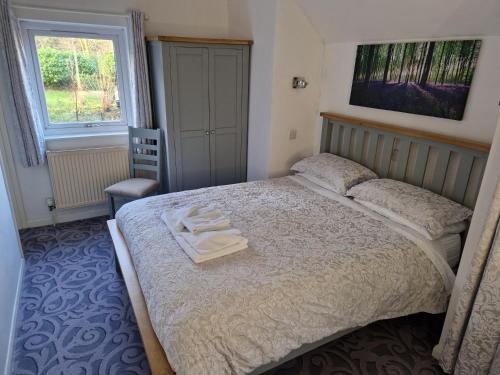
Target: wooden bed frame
<point>346,136</point>
<point>154,351</point>
<point>449,166</point>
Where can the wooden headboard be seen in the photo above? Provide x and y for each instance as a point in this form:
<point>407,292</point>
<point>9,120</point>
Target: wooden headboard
<point>449,166</point>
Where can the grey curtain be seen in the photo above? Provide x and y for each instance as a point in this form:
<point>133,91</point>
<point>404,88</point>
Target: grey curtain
<point>26,125</point>
<point>472,345</point>
<point>139,68</point>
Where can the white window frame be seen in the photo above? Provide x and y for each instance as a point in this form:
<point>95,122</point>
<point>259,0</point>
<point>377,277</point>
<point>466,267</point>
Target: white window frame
<point>44,22</point>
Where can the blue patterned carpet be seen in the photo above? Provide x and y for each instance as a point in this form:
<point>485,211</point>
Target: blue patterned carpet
<point>75,318</point>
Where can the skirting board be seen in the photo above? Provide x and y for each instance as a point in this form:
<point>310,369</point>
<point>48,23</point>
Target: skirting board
<point>66,215</point>
<point>12,333</point>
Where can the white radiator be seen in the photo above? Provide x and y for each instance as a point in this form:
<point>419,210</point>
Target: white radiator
<point>79,177</point>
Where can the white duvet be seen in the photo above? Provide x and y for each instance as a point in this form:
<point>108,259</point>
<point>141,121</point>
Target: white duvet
<point>316,265</point>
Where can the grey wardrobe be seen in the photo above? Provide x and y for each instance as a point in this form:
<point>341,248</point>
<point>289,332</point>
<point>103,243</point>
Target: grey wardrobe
<point>200,100</point>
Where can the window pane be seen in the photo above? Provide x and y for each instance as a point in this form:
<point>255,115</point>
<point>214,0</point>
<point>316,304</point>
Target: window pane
<point>79,78</point>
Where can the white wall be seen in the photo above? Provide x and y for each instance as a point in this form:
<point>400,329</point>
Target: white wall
<point>368,20</point>
<point>285,45</point>
<point>480,114</point>
<point>167,17</point>
<point>11,262</point>
<point>256,20</point>
<point>298,52</point>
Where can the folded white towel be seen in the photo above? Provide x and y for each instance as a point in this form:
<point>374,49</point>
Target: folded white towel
<point>214,240</point>
<point>173,221</point>
<point>196,219</point>
<point>198,257</point>
<point>209,237</point>
<point>206,219</point>
<point>175,216</point>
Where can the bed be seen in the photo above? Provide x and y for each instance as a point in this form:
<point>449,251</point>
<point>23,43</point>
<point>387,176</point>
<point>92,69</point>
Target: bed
<point>319,265</point>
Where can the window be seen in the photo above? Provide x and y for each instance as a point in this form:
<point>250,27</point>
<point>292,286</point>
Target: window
<point>79,79</point>
<point>79,71</point>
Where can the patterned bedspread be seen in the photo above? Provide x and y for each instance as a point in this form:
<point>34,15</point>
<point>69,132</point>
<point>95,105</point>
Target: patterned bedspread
<point>314,267</point>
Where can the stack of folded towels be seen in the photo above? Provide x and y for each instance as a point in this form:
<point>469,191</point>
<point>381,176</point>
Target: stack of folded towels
<point>204,233</point>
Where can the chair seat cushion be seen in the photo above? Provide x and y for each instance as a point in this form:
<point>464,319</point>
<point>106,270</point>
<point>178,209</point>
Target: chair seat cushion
<point>133,187</point>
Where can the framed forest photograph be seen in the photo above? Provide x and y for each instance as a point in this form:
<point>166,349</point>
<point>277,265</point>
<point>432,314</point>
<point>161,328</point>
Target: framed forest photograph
<point>426,78</point>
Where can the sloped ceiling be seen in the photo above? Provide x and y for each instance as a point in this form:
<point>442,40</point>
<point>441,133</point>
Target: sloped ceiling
<point>381,20</point>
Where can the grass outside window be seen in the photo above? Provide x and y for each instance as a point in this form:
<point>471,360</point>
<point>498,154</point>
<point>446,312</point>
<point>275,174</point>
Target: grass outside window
<point>79,79</point>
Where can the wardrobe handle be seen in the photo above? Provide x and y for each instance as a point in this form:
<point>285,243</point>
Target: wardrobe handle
<point>207,132</point>
<point>212,132</point>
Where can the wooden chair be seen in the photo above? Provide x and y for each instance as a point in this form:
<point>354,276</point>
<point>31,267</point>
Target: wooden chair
<point>144,155</point>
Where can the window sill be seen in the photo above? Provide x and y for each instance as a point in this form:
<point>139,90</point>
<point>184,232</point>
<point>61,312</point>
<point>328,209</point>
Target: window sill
<point>54,137</point>
<point>76,141</point>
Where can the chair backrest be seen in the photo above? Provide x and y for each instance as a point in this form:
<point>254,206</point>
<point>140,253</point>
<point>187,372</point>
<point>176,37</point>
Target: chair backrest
<point>144,151</point>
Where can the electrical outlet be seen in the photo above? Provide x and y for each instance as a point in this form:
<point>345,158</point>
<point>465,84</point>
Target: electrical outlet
<point>292,134</point>
<point>51,203</point>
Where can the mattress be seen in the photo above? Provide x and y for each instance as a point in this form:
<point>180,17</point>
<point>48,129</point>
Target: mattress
<point>316,265</point>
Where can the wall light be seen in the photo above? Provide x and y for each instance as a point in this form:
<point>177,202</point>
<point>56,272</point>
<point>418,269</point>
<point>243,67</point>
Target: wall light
<point>299,83</point>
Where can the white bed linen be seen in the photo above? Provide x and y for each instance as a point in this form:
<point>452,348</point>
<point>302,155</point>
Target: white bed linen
<point>449,229</point>
<point>446,249</point>
<point>315,266</point>
<point>450,247</point>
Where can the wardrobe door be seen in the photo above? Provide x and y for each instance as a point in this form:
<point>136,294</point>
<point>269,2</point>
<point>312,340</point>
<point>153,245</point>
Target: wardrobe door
<point>190,96</point>
<point>226,125</point>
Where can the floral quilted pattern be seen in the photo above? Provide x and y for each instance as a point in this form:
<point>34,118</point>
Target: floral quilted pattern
<point>333,172</point>
<point>313,267</point>
<point>420,206</point>
<point>472,343</point>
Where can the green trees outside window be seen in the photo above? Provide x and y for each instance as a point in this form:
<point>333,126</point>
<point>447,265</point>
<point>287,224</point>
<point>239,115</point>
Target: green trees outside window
<point>79,79</point>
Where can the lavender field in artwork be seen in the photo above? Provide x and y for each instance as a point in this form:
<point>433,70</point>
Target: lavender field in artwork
<point>427,78</point>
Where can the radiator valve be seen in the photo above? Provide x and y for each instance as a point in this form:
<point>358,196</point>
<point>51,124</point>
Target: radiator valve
<point>51,204</point>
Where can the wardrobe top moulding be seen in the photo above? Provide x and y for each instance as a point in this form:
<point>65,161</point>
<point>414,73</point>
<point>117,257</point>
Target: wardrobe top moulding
<point>184,39</point>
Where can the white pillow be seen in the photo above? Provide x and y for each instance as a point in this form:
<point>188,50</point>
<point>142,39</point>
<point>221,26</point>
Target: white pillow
<point>422,210</point>
<point>450,229</point>
<point>333,172</point>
